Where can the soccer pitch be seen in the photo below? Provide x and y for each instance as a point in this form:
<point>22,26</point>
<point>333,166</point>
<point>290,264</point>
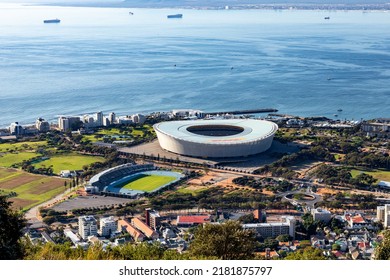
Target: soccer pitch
<point>146,183</point>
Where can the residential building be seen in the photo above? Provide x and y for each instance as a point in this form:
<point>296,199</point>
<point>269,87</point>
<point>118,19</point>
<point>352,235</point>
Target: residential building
<point>138,118</point>
<point>376,129</point>
<point>99,118</point>
<point>152,218</point>
<point>124,225</point>
<point>144,228</point>
<point>383,215</point>
<point>87,226</point>
<point>380,213</point>
<point>112,117</point>
<point>16,129</point>
<point>66,123</point>
<point>108,225</point>
<point>192,220</point>
<point>72,236</point>
<point>287,226</point>
<point>357,221</point>
<point>42,125</point>
<point>321,215</point>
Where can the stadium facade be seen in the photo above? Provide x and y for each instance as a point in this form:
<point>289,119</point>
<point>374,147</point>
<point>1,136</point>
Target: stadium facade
<point>216,138</point>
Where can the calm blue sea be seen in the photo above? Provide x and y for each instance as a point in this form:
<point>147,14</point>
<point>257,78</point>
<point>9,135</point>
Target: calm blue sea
<point>106,59</point>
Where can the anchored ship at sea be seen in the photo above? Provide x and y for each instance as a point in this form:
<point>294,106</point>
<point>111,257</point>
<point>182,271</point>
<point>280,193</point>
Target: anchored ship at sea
<point>175,16</point>
<point>52,20</point>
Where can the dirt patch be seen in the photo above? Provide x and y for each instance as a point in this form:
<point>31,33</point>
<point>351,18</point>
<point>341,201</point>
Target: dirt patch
<point>43,187</point>
<point>17,181</point>
<point>194,188</point>
<point>4,172</point>
<point>323,191</point>
<point>21,203</point>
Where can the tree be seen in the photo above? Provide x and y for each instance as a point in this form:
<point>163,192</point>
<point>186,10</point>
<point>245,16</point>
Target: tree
<point>228,241</point>
<point>309,253</point>
<point>284,238</point>
<point>11,226</point>
<point>382,252</point>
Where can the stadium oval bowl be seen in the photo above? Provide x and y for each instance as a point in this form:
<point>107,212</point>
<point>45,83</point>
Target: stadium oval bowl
<point>216,138</point>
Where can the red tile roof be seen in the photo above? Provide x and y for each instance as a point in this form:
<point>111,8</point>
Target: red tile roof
<point>195,219</point>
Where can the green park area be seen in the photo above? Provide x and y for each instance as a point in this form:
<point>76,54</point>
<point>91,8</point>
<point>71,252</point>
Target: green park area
<point>127,133</point>
<point>21,146</point>
<point>147,183</point>
<point>27,190</point>
<point>9,159</point>
<point>14,153</point>
<point>381,175</point>
<point>68,162</point>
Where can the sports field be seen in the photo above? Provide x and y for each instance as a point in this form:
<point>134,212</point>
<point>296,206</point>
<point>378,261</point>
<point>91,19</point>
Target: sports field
<point>146,182</point>
<point>68,162</point>
<point>381,175</point>
<point>31,189</point>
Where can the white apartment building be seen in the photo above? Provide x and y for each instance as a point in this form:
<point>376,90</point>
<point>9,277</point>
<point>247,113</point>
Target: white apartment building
<point>383,215</point>
<point>108,225</point>
<point>287,226</point>
<point>42,125</point>
<point>320,214</point>
<point>87,226</point>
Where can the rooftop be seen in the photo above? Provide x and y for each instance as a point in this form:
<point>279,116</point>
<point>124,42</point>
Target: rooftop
<point>194,219</point>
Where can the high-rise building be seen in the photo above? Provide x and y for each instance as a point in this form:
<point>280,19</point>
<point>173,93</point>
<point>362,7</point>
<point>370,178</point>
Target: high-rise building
<point>16,129</point>
<point>99,119</point>
<point>112,117</point>
<point>106,121</point>
<point>87,226</point>
<point>383,215</point>
<point>380,213</point>
<point>107,226</point>
<point>138,118</point>
<point>386,222</point>
<point>42,125</point>
<point>66,123</point>
<point>152,218</point>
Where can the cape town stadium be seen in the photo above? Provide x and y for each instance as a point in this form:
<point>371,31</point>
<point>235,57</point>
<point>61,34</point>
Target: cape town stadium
<point>216,138</point>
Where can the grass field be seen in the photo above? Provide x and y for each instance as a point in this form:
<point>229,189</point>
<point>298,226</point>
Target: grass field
<point>115,132</point>
<point>68,162</point>
<point>8,159</point>
<point>147,183</point>
<point>21,146</point>
<point>31,189</point>
<point>377,174</point>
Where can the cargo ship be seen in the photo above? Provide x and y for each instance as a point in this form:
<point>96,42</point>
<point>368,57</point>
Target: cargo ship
<point>175,16</point>
<point>52,20</point>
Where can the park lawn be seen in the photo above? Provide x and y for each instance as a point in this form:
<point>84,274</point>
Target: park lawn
<point>21,146</point>
<point>68,162</point>
<point>381,175</point>
<point>147,183</point>
<point>8,159</point>
<point>92,138</point>
<point>31,189</point>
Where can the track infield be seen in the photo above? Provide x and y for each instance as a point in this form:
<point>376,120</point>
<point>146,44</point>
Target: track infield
<point>146,182</point>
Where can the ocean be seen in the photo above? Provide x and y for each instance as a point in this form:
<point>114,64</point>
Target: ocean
<point>105,59</point>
